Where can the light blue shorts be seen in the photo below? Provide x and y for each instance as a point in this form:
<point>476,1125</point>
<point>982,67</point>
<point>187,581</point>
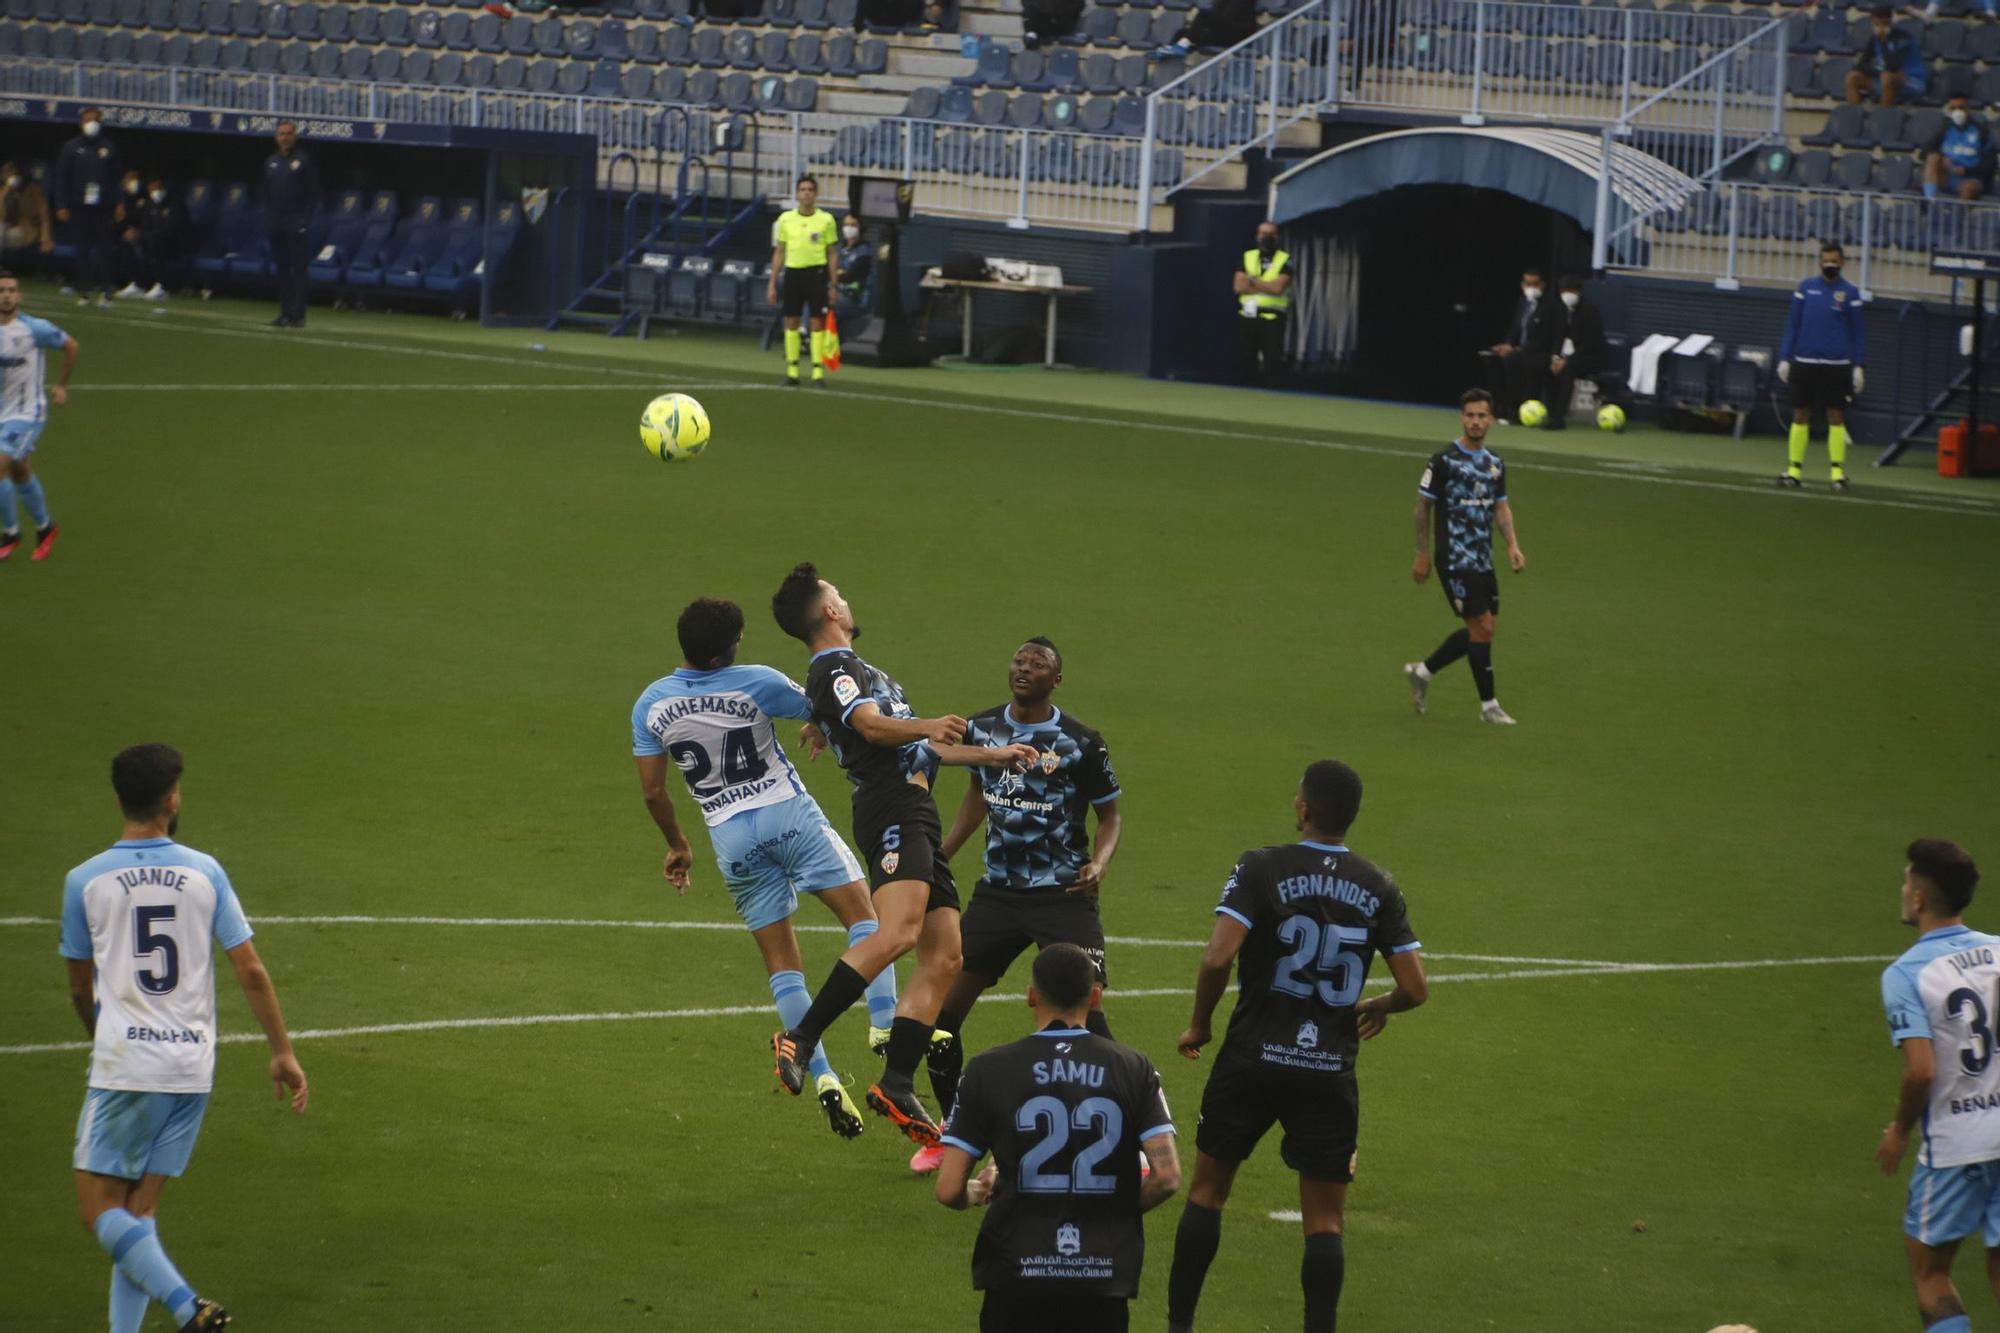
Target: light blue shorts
<point>133,1134</point>
<point>769,856</point>
<point>1949,1203</point>
<point>17,438</point>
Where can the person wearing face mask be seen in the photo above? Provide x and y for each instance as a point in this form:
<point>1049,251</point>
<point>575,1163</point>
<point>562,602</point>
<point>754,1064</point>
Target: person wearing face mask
<point>1263,298</point>
<point>1532,338</point>
<point>1959,157</point>
<point>857,269</point>
<point>1887,61</point>
<point>154,219</point>
<point>1579,349</point>
<point>25,222</point>
<point>1820,360</point>
<point>87,191</point>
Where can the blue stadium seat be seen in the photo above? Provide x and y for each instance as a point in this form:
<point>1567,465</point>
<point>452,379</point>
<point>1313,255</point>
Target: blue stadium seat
<point>1094,116</point>
<point>199,202</point>
<point>478,72</point>
<point>686,285</point>
<point>812,14</point>
<point>131,13</point>
<point>739,48</point>
<point>384,65</point>
<point>841,13</point>
<point>636,83</point>
<point>365,23</point>
<point>118,47</point>
<point>90,45</point>
<point>1030,71</point>
<point>1885,130</point>
<point>1810,170</point>
<point>807,55</point>
<point>305,22</point>
<point>1098,28</point>
<point>572,77</point>
<point>515,36</point>
<point>1984,43</point>
<point>1128,116</point>
<point>372,263</point>
<point>542,76</point>
<point>1919,128</point>
<point>614,40</point>
<point>426,243</point>
<point>1846,125</point>
<point>781,13</point>
<point>448,69</point>
<point>1054,159</point>
<point>1059,112</point>
<point>840,54</point>
<point>923,104</point>
<point>250,255</point>
<point>228,231</point>
<point>802,94</point>
<point>396,27</point>
<point>604,78</point>
<point>1099,74</point>
<point>643,44</point>
<point>955,105</point>
<point>203,52</point>
<point>767,92</point>
<point>457,272</point>
<point>551,39</point>
<point>1130,71</point>
<point>1135,30</point>
<point>217,16</point>
<point>736,92</point>
<point>234,55</point>
<point>62,43</point>
<point>173,49</point>
<point>1801,76</point>
<point>1025,111</point>
<point>325,61</point>
<point>676,46</point>
<point>670,85</point>
<point>1852,170</point>
<point>510,74</point>
<point>708,52</point>
<point>1893,175</point>
<point>989,108</point>
<point>703,87</point>
<point>871,55</point>
<point>1065,70</point>
<point>993,67</point>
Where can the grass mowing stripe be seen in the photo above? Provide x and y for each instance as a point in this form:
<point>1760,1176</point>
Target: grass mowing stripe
<point>739,1010</point>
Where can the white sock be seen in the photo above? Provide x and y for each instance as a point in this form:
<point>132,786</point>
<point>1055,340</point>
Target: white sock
<point>1423,672</point>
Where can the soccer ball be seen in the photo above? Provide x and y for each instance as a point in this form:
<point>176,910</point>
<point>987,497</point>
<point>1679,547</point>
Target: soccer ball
<point>1611,417</point>
<point>674,428</point>
<point>1533,413</point>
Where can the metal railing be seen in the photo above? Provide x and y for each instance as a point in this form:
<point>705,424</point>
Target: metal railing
<point>1737,232</point>
<point>1522,60</point>
<point>1237,100</point>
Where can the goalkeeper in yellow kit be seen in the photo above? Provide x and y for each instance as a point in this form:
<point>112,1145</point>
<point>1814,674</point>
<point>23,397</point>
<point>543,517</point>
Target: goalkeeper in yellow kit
<point>805,269</point>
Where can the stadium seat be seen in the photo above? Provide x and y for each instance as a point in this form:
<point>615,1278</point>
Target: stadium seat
<point>228,231</point>
<point>636,83</point>
<point>448,69</point>
<point>1947,39</point>
<point>62,45</point>
<point>992,68</point>
<point>708,52</point>
<point>1099,27</point>
<point>385,65</point>
<point>146,48</point>
<point>781,13</point>
<point>1099,74</point>
<point>736,92</point>
<point>702,87</point>
<point>955,105</point>
<point>643,44</point>
<point>543,75</point>
<point>118,48</point>
<point>427,244</point>
<point>416,67</point>
<point>1094,116</point>
<point>922,103</point>
<point>304,21</point>
<point>1130,72</point>
<point>510,74</point>
<point>325,61</point>
<point>774,53</point>
<point>686,285</point>
<point>90,45</point>
<point>840,55</point>
<point>812,14</point>
<point>1810,170</point>
<point>676,46</point>
<point>841,13</point>
<point>573,77</point>
<point>396,27</point>
<point>1845,124</point>
<point>459,272</point>
<point>806,54</point>
<point>372,261</point>
<point>1852,170</point>
<point>871,55</point>
<point>989,108</point>
<point>250,257</point>
<point>1135,30</point>
<point>670,85</point>
<point>1128,116</point>
<point>739,49</point>
<point>802,94</point>
<point>354,62</point>
<point>1983,43</point>
<point>1025,111</point>
<point>365,23</point>
<point>728,295</point>
<point>1886,130</point>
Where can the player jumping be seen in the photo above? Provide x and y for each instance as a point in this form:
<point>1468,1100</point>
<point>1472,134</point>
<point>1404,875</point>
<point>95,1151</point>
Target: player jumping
<point>1943,999</point>
<point>1307,918</point>
<point>714,720</point>
<point>24,410</point>
<point>139,927</point>
<point>1466,484</point>
<point>891,756</point>
<point>1042,878</point>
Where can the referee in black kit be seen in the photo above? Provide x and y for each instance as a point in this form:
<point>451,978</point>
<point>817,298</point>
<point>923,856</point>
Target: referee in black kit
<point>291,197</point>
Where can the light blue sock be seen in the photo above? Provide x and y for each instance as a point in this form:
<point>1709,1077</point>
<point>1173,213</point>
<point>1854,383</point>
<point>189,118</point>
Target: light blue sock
<point>135,1247</point>
<point>10,517</point>
<point>1958,1323</point>
<point>881,992</point>
<point>31,499</point>
<point>128,1299</point>
<point>789,990</point>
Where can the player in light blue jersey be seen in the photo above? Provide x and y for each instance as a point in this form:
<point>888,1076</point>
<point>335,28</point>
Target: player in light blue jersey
<point>715,721</point>
<point>140,926</point>
<point>1943,1002</point>
<point>24,410</point>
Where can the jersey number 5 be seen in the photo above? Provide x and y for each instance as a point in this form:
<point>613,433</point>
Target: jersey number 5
<point>740,762</point>
<point>146,942</point>
<point>1083,1177</point>
<point>1340,972</point>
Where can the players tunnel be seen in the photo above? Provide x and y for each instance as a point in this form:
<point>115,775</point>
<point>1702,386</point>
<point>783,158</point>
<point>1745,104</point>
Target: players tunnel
<point>1409,245</point>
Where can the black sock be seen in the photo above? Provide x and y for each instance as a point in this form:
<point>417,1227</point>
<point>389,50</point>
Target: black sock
<point>1449,651</point>
<point>909,1038</point>
<point>1097,1023</point>
<point>947,1062</point>
<point>1321,1272</point>
<point>843,986</point>
<point>1481,655</point>
<point>1195,1243</point>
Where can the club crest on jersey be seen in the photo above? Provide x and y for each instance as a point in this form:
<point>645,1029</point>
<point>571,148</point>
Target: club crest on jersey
<point>1308,1037</point>
<point>845,690</point>
<point>890,860</point>
<point>1049,760</point>
<point>1069,1241</point>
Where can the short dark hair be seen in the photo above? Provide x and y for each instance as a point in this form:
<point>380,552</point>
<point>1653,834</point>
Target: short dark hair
<point>1471,396</point>
<point>7,275</point>
<point>708,629</point>
<point>281,124</point>
<point>796,603</point>
<point>1333,795</point>
<point>806,180</point>
<point>1570,282</point>
<point>1063,976</point>
<point>1946,867</point>
<point>97,111</point>
<point>1043,641</point>
<point>143,775</point>
<point>1531,273</point>
<point>1882,12</point>
<point>1834,246</point>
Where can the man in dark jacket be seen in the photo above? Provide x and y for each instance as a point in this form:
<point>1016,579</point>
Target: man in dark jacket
<point>1534,334</point>
<point>291,196</point>
<point>1580,349</point>
<point>1044,21</point>
<point>1224,24</point>
<point>87,174</point>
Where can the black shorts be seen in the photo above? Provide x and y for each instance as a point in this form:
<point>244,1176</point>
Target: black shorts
<point>909,849</point>
<point>1013,1310</point>
<point>1321,1114</point>
<point>1471,592</point>
<point>803,292</point>
<point>1816,388</point>
<point>1000,923</point>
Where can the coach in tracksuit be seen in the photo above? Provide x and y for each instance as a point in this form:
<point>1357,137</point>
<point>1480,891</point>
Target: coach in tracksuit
<point>291,195</point>
<point>1820,359</point>
<point>87,175</point>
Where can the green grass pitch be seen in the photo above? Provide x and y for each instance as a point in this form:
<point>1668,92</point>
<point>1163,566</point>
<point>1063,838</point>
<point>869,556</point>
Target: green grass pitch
<point>393,587</point>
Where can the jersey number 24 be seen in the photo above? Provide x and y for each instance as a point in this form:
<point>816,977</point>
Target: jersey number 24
<point>740,762</point>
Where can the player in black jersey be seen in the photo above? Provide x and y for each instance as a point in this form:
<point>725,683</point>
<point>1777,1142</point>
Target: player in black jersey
<point>1042,876</point>
<point>1461,498</point>
<point>891,756</point>
<point>1307,918</point>
<point>1066,1114</point>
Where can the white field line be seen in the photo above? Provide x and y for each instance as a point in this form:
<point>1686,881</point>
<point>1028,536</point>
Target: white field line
<point>1140,941</point>
<point>1117,996</point>
<point>1609,470</point>
<point>399,388</point>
